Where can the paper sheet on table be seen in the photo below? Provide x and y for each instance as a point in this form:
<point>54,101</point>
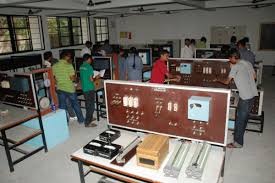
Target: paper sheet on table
<point>100,73</point>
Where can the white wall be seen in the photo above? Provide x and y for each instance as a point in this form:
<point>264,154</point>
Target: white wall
<point>194,24</point>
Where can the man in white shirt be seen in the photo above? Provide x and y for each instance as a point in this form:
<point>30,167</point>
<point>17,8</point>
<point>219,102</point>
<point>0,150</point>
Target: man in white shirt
<point>186,51</point>
<point>87,49</point>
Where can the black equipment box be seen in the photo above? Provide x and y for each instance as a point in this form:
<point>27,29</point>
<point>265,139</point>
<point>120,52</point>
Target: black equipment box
<point>109,135</point>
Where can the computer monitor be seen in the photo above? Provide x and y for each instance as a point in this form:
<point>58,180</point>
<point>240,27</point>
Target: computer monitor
<point>103,63</point>
<point>146,56</point>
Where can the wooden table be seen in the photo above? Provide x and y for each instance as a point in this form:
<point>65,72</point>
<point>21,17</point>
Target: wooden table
<point>16,116</point>
<point>133,173</point>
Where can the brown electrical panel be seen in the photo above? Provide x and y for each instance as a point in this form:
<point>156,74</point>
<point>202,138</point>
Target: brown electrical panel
<point>198,72</point>
<point>189,112</point>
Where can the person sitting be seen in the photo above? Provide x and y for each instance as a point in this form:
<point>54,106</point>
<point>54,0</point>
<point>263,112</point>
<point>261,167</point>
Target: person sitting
<point>201,43</point>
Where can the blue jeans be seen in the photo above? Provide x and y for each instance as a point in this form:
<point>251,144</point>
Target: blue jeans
<point>72,97</point>
<point>243,110</point>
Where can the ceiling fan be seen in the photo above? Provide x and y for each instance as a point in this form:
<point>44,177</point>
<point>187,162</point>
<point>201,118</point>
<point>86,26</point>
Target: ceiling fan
<point>92,3</point>
<point>32,12</point>
<point>141,9</point>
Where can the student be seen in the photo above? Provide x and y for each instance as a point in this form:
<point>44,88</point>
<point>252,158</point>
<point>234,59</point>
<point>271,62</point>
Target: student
<point>160,71</point>
<point>48,59</point>
<point>244,76</point>
<point>202,43</point>
<point>88,87</point>
<point>87,49</point>
<point>134,66</point>
<point>246,54</point>
<point>186,51</point>
<point>106,48</point>
<point>65,77</point>
<point>193,46</point>
<point>121,65</point>
<point>233,41</point>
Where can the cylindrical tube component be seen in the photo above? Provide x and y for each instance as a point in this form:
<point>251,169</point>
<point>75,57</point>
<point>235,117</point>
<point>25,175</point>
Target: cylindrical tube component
<point>130,101</point>
<point>136,102</point>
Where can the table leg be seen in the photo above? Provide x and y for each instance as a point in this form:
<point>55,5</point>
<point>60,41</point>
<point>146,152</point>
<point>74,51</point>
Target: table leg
<point>81,172</point>
<point>97,108</point>
<point>6,145</point>
<point>223,164</point>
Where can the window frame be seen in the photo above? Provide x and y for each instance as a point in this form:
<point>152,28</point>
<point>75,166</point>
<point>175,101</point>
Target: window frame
<point>70,31</point>
<point>12,32</point>
<point>95,29</point>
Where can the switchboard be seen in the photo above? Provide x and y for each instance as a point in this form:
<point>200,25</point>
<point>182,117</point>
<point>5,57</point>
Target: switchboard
<point>166,108</point>
<point>200,72</point>
<point>17,89</point>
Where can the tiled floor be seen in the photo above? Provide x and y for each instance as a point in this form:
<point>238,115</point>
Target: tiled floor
<point>255,163</point>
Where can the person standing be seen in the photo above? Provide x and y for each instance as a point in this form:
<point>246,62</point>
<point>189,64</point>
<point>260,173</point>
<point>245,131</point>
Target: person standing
<point>245,54</point>
<point>233,41</point>
<point>88,87</point>
<point>186,51</point>
<point>49,61</point>
<point>121,65</point>
<point>244,77</point>
<point>160,71</point>
<point>87,49</point>
<point>134,66</point>
<point>65,76</point>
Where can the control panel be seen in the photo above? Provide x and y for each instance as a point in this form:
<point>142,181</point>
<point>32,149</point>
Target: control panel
<point>198,72</point>
<point>189,112</point>
<point>17,89</point>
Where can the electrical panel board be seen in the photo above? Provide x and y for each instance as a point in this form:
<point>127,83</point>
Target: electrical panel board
<point>18,89</point>
<point>200,72</point>
<point>165,109</point>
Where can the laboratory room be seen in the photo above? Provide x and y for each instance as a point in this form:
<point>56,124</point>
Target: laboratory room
<point>110,91</point>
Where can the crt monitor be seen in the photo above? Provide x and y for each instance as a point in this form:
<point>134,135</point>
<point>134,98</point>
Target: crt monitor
<point>103,63</point>
<point>145,55</point>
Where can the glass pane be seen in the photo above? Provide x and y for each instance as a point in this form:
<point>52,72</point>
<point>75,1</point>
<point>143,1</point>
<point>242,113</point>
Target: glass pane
<point>4,35</point>
<point>77,40</point>
<point>65,41</point>
<point>19,22</point>
<point>98,37</point>
<point>64,31</point>
<point>3,22</point>
<point>54,40</point>
<point>52,25</point>
<point>5,47</point>
<point>22,34</point>
<point>63,22</point>
<point>75,22</point>
<point>36,46</point>
<point>104,29</point>
<point>103,22</point>
<point>77,31</point>
<point>98,30</point>
<point>23,45</point>
<point>104,37</point>
<point>97,22</point>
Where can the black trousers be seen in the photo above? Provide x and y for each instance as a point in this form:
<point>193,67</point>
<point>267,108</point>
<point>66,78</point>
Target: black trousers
<point>89,105</point>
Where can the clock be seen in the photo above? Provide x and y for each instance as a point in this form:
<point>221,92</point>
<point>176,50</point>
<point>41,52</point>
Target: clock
<point>44,102</point>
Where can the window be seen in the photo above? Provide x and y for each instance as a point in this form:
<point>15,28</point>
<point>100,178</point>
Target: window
<point>67,31</point>
<point>101,29</point>
<point>20,34</point>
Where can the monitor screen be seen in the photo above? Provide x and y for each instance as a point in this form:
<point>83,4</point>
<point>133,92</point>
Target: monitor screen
<point>103,63</point>
<point>145,55</point>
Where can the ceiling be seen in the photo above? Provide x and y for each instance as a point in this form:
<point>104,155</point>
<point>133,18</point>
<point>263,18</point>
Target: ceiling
<point>131,7</point>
